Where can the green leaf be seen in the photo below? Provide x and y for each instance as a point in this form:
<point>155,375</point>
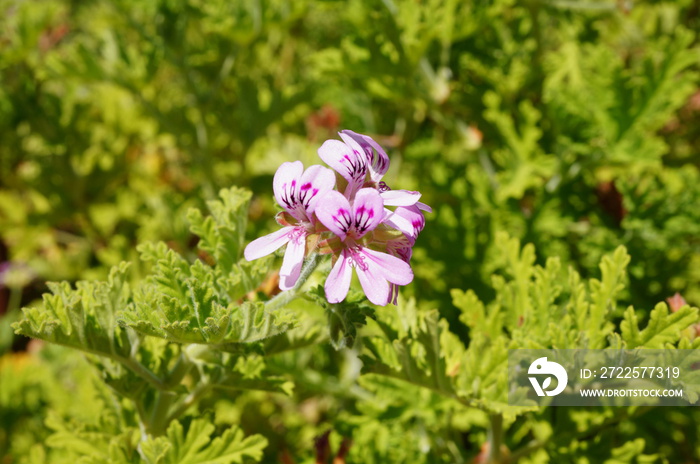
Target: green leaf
<point>632,452</point>
<point>417,356</point>
<point>604,295</point>
<point>429,355</point>
<point>84,317</point>
<point>525,165</point>
<point>201,304</point>
<point>344,318</point>
<point>209,322</point>
<point>196,446</point>
<point>223,233</point>
<point>103,441</point>
<point>663,328</point>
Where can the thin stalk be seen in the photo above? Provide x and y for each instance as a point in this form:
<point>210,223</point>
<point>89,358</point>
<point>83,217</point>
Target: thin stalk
<point>495,438</point>
<point>142,422</point>
<point>181,368</point>
<point>15,299</point>
<point>285,297</point>
<point>160,418</point>
<point>138,369</point>
<point>526,450</point>
<point>194,396</point>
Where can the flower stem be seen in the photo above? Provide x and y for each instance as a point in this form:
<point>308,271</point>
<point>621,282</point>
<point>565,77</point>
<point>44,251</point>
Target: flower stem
<point>285,297</point>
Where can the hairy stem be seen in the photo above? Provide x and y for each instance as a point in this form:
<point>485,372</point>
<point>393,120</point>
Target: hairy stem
<point>160,419</point>
<point>285,297</point>
<point>179,371</point>
<point>193,397</point>
<point>143,372</point>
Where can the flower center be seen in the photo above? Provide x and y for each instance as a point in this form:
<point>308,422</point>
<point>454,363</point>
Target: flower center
<point>298,234</point>
<point>357,259</point>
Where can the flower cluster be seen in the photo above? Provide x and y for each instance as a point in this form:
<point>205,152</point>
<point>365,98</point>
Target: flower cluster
<point>346,215</point>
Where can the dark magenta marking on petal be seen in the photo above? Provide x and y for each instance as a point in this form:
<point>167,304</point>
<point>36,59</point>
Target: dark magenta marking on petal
<point>363,217</point>
<point>343,220</point>
<point>356,168</point>
<point>405,254</point>
<point>296,201</point>
<point>288,196</point>
<point>305,196</point>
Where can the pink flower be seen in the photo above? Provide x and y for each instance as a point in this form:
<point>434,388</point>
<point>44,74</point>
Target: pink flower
<point>410,221</point>
<point>351,222</point>
<point>348,160</point>
<point>354,226</point>
<point>362,162</point>
<point>377,159</point>
<point>298,192</point>
<point>403,249</point>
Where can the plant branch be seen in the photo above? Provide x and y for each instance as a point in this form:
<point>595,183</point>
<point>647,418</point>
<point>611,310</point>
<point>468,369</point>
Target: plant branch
<point>160,419</point>
<point>495,438</point>
<point>138,369</point>
<point>195,395</point>
<point>285,297</point>
<point>181,368</point>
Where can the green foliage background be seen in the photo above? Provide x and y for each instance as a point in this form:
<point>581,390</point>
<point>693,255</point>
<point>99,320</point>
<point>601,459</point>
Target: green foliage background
<point>567,127</point>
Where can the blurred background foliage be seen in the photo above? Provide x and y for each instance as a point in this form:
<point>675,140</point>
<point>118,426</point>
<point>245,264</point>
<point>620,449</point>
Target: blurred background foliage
<point>573,125</point>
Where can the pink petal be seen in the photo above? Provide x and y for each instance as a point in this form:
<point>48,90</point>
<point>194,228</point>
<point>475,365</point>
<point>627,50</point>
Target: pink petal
<point>399,223</point>
<point>400,197</point>
<point>348,160</point>
<point>393,269</point>
<point>378,162</point>
<point>414,216</point>
<point>373,282</point>
<point>334,212</point>
<point>315,183</point>
<point>286,184</point>
<point>293,259</point>
<point>424,207</point>
<point>265,245</point>
<point>338,281</point>
<point>367,211</point>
